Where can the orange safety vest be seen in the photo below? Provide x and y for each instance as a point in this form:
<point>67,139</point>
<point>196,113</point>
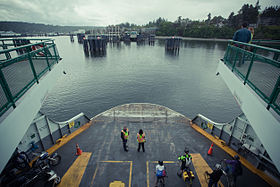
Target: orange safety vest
<point>141,138</point>
<point>125,134</point>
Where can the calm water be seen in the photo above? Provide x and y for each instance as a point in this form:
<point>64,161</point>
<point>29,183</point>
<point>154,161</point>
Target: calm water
<point>186,83</point>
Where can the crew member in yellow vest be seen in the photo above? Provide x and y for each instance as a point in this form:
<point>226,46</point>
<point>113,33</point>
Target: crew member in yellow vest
<point>124,136</point>
<point>141,140</point>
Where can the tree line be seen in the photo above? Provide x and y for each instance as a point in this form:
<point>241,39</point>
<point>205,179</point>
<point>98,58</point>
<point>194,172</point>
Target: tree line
<point>36,28</point>
<point>266,23</point>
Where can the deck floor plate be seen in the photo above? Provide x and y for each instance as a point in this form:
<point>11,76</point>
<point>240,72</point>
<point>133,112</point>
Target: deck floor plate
<point>75,173</point>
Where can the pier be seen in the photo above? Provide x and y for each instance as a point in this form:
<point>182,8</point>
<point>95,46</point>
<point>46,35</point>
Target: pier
<point>95,45</point>
<point>172,45</point>
<point>72,37</point>
<point>80,37</point>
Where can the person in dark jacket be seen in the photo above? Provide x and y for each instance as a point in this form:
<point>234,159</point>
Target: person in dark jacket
<point>124,137</point>
<point>233,170</point>
<point>243,34</point>
<point>215,175</point>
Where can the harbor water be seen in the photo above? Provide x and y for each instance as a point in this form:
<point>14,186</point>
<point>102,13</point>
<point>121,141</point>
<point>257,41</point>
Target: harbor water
<point>131,73</point>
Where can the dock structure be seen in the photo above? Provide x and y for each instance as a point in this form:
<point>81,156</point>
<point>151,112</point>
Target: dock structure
<point>151,39</point>
<point>71,37</point>
<point>80,37</point>
<point>141,38</point>
<point>114,33</point>
<point>126,37</point>
<point>172,45</point>
<point>95,45</point>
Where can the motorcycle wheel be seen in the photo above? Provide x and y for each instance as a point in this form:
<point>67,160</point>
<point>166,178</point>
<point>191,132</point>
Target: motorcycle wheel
<point>56,160</point>
<point>53,182</point>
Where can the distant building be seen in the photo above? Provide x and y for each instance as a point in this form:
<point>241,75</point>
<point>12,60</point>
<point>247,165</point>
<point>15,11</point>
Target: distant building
<point>8,34</point>
<point>150,30</point>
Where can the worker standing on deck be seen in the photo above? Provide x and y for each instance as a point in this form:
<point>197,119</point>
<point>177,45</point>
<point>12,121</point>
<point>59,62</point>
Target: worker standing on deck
<point>233,170</point>
<point>186,160</point>
<point>124,136</point>
<point>215,175</point>
<point>141,140</point>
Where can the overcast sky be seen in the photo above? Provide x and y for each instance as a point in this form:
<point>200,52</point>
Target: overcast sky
<point>108,12</point>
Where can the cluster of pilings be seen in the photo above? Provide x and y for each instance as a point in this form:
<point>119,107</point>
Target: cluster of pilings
<point>72,37</point>
<point>95,46</point>
<point>21,42</point>
<point>81,37</point>
<point>172,45</point>
<point>151,39</point>
<point>114,39</point>
<point>126,37</point>
<point>141,38</point>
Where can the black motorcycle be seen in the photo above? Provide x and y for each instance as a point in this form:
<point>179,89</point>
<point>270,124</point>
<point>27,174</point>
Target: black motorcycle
<point>40,174</point>
<point>45,159</point>
<point>36,177</point>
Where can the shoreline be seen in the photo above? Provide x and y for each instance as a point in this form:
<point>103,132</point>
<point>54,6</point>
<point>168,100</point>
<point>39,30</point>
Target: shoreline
<point>195,39</point>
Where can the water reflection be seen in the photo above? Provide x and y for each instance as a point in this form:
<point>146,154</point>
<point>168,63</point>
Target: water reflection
<point>171,54</point>
<point>117,45</point>
<point>127,43</point>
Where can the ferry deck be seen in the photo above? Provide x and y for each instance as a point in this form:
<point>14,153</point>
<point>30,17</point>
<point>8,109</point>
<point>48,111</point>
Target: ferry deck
<point>104,161</point>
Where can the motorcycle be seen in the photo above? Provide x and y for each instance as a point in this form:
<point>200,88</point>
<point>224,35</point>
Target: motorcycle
<point>36,177</point>
<point>45,158</point>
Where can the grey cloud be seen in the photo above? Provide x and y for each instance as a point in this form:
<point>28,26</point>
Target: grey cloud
<point>105,12</point>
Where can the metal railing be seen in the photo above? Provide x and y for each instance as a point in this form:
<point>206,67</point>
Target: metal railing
<point>258,67</point>
<point>22,63</point>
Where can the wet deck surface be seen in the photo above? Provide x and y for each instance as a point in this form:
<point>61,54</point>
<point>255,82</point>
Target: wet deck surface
<point>166,139</point>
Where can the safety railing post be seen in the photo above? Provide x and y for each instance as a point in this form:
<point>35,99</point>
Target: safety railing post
<point>249,69</point>
<point>46,55</point>
<point>6,89</point>
<point>32,68</point>
<point>226,54</point>
<point>233,65</point>
<point>274,93</point>
<point>56,57</point>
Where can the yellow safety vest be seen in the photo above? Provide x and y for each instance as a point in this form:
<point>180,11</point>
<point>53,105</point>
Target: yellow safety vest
<point>141,138</point>
<point>125,134</point>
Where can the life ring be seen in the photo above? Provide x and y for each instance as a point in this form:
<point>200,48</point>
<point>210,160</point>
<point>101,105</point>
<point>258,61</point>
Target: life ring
<point>39,46</point>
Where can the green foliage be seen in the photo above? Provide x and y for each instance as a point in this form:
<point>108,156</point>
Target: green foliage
<point>268,32</point>
<point>23,27</point>
<point>272,11</point>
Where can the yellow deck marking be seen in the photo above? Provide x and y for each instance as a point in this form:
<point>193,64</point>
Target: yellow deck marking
<point>201,166</point>
<point>75,173</point>
<point>165,162</point>
<point>94,175</point>
<point>148,178</point>
<point>114,161</point>
<point>130,174</point>
<point>231,152</point>
<point>117,184</point>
